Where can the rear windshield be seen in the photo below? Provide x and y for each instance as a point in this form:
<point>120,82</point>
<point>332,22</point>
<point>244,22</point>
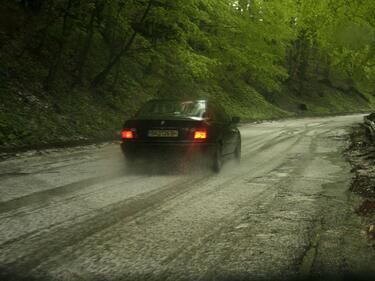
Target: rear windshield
<point>173,108</point>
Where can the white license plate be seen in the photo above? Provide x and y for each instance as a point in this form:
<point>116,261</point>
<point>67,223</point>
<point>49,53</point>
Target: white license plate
<point>163,133</point>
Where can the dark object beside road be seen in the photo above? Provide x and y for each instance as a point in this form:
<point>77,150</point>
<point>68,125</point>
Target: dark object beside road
<point>369,122</point>
<point>361,155</point>
<point>182,129</point>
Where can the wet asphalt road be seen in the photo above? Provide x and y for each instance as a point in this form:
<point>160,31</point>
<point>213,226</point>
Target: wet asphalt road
<point>284,212</point>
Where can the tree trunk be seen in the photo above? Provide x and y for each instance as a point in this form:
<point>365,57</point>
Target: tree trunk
<point>58,56</point>
<point>117,75</point>
<point>50,20</point>
<point>100,77</point>
<point>86,47</point>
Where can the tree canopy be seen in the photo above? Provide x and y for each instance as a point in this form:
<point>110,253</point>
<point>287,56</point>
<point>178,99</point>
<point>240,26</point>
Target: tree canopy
<point>248,54</point>
<point>255,43</point>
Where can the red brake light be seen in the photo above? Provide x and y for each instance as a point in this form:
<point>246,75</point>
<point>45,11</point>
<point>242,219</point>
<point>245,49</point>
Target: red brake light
<point>128,134</point>
<point>200,135</point>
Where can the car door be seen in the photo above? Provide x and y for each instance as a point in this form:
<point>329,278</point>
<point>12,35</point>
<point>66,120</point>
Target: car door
<point>231,131</point>
<point>225,127</point>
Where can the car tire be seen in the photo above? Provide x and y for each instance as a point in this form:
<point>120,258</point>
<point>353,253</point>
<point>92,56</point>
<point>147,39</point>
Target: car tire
<point>237,152</point>
<point>217,161</point>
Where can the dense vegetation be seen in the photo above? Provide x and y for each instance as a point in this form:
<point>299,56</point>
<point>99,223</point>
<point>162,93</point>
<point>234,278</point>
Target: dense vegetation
<point>76,68</point>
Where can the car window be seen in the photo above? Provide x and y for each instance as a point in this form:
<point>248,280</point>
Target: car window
<point>173,108</point>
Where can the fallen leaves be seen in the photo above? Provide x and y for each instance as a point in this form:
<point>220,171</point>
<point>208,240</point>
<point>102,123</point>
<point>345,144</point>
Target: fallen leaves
<point>366,208</point>
<point>361,154</point>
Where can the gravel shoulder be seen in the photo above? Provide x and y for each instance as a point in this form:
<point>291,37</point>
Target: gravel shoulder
<point>361,155</point>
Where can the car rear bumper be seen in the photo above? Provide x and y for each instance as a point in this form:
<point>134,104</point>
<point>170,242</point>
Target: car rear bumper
<point>167,149</point>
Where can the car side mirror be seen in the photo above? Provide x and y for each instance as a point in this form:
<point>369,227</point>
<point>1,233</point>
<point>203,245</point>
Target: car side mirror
<point>236,120</point>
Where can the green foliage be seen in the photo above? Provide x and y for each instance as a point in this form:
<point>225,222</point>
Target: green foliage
<point>260,58</point>
<point>336,43</point>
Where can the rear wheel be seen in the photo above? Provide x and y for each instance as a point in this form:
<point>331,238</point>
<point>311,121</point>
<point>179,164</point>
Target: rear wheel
<point>217,159</point>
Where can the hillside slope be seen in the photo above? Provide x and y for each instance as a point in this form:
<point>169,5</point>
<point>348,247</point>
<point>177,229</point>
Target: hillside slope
<point>72,71</point>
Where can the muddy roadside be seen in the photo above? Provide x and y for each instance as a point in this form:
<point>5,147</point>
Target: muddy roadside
<point>361,155</point>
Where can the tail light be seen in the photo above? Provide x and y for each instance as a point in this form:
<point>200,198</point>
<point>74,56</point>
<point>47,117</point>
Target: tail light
<point>128,134</point>
<point>200,135</point>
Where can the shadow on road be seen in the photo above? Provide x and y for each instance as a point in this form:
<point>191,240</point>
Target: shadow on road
<point>165,167</point>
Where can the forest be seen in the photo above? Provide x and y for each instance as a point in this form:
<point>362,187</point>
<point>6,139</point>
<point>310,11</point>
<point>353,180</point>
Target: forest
<point>73,70</point>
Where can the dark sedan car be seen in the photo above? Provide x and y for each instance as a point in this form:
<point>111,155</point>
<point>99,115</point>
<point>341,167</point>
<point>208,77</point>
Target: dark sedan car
<point>184,128</point>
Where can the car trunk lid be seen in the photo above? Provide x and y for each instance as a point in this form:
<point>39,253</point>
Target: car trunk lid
<point>165,129</point>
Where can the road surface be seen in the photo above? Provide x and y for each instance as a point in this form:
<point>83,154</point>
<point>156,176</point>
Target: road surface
<point>284,212</point>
